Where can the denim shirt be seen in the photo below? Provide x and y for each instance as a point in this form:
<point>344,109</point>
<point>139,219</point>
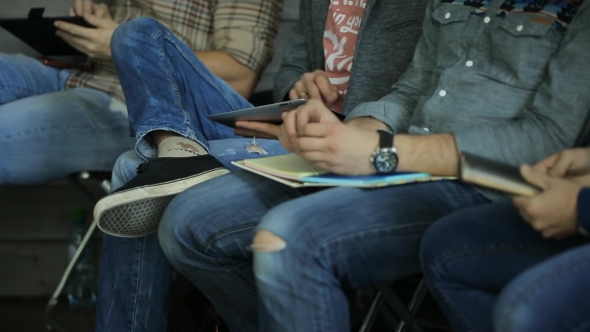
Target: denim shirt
<point>510,84</point>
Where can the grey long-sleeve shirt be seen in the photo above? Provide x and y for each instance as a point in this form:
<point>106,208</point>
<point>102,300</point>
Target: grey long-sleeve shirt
<point>510,84</point>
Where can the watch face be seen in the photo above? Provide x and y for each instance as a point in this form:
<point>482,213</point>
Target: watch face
<point>385,161</point>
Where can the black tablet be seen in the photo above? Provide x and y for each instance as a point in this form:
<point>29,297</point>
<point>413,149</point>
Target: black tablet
<point>39,33</point>
<point>268,113</point>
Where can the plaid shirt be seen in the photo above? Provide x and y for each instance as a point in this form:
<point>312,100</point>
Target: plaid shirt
<point>245,29</point>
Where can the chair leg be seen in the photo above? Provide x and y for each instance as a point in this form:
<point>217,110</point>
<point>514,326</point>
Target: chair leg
<point>51,325</point>
<point>54,298</point>
<point>372,313</point>
<point>399,308</point>
<point>415,303</point>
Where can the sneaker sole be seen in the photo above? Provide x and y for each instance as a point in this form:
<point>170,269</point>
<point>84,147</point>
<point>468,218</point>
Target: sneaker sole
<point>137,212</point>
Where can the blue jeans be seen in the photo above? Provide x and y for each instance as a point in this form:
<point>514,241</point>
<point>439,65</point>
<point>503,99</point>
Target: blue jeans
<point>336,237</point>
<point>167,88</point>
<point>487,258</point>
<point>47,132</point>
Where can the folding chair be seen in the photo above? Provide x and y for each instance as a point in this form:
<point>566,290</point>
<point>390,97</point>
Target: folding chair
<point>104,179</point>
<point>405,314</point>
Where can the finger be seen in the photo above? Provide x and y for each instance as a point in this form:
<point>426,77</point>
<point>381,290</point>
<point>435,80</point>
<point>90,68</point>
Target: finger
<point>78,43</point>
<point>310,144</point>
<point>534,177</point>
<point>293,94</point>
<point>252,133</point>
<point>562,164</point>
<point>521,204</point>
<point>78,9</point>
<point>87,7</point>
<point>99,22</point>
<point>290,124</point>
<point>315,130</point>
<point>551,232</point>
<point>74,29</point>
<point>326,88</point>
<point>72,11</point>
<point>545,165</point>
<point>101,11</point>
<point>311,88</point>
<point>262,127</point>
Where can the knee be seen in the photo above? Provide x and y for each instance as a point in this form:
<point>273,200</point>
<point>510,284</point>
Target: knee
<point>432,247</point>
<point>130,31</point>
<point>265,241</point>
<point>172,234</point>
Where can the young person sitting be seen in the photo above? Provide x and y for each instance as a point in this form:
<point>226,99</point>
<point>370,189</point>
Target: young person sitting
<point>170,93</point>
<point>505,81</point>
<point>521,265</point>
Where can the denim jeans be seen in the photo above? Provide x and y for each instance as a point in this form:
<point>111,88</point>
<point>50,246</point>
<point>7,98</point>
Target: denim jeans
<point>487,257</point>
<point>167,88</point>
<point>48,132</point>
<point>335,237</point>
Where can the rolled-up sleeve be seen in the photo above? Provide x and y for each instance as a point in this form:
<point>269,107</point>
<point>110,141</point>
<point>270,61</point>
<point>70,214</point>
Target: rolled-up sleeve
<point>245,29</point>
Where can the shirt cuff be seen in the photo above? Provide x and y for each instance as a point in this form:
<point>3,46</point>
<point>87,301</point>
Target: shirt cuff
<point>584,211</point>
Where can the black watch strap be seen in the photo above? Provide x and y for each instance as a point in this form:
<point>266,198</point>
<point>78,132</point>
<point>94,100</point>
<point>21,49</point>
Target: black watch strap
<point>385,139</point>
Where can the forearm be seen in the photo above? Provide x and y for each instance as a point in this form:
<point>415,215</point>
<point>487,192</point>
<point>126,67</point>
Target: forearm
<point>237,75</point>
<point>433,154</point>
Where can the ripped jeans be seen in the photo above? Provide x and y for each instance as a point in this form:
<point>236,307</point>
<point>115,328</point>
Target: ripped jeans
<point>167,88</point>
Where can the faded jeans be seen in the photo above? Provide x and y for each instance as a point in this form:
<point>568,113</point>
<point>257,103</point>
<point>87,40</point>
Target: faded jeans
<point>339,237</point>
<point>491,271</point>
<point>47,131</point>
<point>167,88</point>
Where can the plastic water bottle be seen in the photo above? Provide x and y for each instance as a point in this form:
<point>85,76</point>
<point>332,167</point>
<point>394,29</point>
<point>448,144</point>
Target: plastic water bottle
<point>81,293</point>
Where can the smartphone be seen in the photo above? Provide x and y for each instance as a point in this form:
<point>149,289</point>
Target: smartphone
<point>64,65</point>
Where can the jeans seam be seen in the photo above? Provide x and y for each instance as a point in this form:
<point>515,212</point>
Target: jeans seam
<point>532,288</point>
<point>134,316</point>
<point>18,89</point>
<point>481,249</point>
<point>219,262</point>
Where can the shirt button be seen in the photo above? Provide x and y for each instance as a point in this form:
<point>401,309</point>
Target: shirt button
<point>442,93</point>
<point>469,63</point>
<point>519,28</point>
<point>426,129</point>
<point>487,20</point>
<point>448,15</point>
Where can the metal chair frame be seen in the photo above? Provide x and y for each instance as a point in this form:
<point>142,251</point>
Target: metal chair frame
<point>53,300</point>
<point>405,314</point>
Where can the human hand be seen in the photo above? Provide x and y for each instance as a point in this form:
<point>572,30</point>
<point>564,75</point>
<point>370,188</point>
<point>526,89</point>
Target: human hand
<point>320,138</point>
<point>82,7</point>
<point>554,211</point>
<point>94,42</point>
<point>573,164</point>
<point>314,85</point>
<point>266,130</point>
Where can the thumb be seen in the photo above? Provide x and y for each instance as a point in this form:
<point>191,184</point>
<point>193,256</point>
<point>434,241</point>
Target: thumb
<point>535,177</point>
<point>100,22</point>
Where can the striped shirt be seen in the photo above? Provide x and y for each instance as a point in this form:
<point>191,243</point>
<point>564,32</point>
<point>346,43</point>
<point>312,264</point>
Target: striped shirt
<point>245,29</point>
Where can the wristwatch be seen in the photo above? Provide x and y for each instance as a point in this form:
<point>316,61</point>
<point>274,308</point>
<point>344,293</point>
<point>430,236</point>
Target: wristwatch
<point>385,159</point>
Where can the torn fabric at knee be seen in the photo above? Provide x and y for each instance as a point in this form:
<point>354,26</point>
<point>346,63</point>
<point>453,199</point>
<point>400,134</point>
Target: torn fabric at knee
<point>265,241</point>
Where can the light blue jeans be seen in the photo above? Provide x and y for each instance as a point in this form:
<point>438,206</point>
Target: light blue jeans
<point>167,88</point>
<point>48,132</point>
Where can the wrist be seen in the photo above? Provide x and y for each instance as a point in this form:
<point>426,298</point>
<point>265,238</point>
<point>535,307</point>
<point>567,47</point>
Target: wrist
<point>367,122</point>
